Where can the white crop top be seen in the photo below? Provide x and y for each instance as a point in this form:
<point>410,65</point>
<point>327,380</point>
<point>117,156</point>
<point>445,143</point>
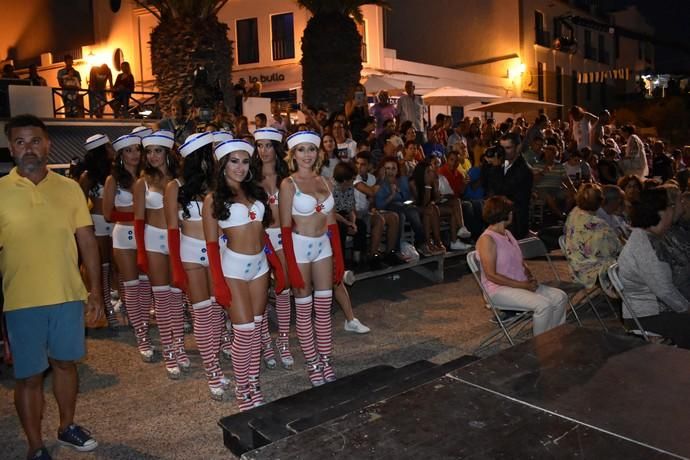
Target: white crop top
<point>194,208</point>
<point>123,198</point>
<point>242,215</point>
<point>306,205</point>
<point>154,200</point>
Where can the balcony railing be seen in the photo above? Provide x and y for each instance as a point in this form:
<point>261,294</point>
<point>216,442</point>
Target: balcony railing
<point>82,103</point>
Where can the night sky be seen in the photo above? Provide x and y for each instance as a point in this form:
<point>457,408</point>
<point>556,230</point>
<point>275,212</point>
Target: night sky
<point>671,20</point>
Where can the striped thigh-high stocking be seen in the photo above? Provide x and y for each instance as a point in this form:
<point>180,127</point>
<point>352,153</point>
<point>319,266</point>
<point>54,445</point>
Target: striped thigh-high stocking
<point>177,319</point>
<point>241,358</point>
<point>305,334</point>
<point>162,302</point>
<point>123,304</point>
<point>138,316</point>
<point>107,298</point>
<point>323,301</point>
<point>283,341</point>
<point>203,334</point>
<point>266,343</point>
<point>255,363</point>
<point>221,331</point>
<point>147,298</point>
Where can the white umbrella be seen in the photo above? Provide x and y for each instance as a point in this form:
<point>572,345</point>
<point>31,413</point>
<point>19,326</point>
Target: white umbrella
<point>456,97</point>
<point>512,105</point>
<point>376,83</point>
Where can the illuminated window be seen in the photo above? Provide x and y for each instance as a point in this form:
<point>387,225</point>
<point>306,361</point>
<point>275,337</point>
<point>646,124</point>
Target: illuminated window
<point>247,41</point>
<point>283,36</point>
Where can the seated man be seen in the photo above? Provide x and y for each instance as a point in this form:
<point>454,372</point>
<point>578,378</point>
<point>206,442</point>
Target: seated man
<point>552,184</point>
<point>376,220</point>
<point>611,210</point>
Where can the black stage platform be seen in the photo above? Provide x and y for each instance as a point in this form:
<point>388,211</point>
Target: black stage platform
<point>569,393</point>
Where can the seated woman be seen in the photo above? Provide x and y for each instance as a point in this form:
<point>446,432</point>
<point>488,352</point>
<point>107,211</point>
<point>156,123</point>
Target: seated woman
<point>647,280</point>
<point>675,248</point>
<point>505,277</point>
<point>591,245</point>
<point>424,187</point>
<point>631,186</point>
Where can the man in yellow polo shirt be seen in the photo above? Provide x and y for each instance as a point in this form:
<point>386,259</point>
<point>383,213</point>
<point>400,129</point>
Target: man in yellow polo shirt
<point>43,217</point>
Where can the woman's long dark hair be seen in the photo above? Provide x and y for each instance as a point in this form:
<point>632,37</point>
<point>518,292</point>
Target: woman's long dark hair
<point>418,178</point>
<point>223,195</point>
<point>123,178</point>
<point>171,162</point>
<point>281,166</point>
<point>198,175</point>
<point>97,166</point>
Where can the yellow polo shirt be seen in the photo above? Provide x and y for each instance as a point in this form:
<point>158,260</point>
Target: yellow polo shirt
<point>38,259</point>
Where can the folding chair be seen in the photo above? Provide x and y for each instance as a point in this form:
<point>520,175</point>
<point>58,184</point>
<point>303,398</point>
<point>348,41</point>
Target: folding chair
<point>533,248</point>
<point>513,323</point>
<point>590,293</point>
<point>618,286</point>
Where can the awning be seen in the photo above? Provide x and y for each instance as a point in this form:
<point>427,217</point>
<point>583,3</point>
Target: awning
<point>511,105</point>
<point>456,97</point>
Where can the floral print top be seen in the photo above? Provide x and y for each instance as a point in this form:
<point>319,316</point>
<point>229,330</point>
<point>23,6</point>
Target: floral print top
<point>591,245</point>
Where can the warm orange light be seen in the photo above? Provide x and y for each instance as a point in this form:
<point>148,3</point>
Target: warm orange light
<point>517,71</point>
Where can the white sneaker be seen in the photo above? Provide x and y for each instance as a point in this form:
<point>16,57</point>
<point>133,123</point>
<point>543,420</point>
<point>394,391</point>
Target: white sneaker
<point>117,304</point>
<point>458,245</point>
<point>356,326</point>
<point>464,233</point>
<point>349,278</point>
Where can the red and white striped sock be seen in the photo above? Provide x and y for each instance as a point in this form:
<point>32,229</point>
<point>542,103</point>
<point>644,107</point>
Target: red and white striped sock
<point>138,314</point>
<point>266,344</point>
<point>323,301</point>
<point>283,311</point>
<point>222,332</point>
<point>162,303</point>
<point>241,358</point>
<point>203,334</point>
<point>177,318</point>
<point>147,295</point>
<point>107,299</point>
<point>305,330</point>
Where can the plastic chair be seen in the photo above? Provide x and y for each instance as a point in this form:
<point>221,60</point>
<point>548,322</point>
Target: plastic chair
<point>618,286</point>
<point>589,293</point>
<point>506,325</point>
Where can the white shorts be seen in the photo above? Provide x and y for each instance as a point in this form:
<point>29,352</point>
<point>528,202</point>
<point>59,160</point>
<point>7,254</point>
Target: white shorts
<point>101,227</point>
<point>311,248</point>
<point>123,237</point>
<point>276,238</point>
<point>243,266</point>
<point>156,239</point>
<point>193,250</point>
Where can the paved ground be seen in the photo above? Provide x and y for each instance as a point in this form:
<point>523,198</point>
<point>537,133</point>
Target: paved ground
<point>135,412</point>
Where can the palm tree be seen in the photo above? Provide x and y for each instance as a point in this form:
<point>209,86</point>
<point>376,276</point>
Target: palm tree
<point>188,37</point>
<point>331,51</point>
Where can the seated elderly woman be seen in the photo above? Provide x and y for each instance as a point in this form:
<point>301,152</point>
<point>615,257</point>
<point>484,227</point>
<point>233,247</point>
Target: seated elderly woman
<point>631,186</point>
<point>505,277</point>
<point>647,280</point>
<point>591,245</point>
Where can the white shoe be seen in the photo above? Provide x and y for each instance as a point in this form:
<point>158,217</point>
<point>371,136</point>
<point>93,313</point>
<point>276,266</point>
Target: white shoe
<point>117,304</point>
<point>349,278</point>
<point>458,245</point>
<point>356,326</point>
<point>464,233</point>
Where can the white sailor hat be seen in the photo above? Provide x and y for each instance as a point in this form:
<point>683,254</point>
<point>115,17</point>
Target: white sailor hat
<point>96,141</point>
<point>268,134</point>
<point>233,145</point>
<point>125,141</point>
<point>301,137</point>
<point>142,131</point>
<point>222,136</point>
<point>195,142</point>
<point>162,138</point>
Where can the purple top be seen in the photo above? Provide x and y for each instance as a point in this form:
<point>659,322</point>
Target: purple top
<point>508,260</point>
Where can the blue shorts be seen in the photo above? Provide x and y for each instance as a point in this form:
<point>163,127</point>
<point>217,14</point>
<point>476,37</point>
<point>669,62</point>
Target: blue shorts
<point>39,333</point>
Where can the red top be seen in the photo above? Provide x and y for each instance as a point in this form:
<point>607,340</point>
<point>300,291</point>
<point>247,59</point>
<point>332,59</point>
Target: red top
<point>455,179</point>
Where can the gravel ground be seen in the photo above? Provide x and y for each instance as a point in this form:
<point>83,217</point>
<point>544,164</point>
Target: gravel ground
<point>135,412</point>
